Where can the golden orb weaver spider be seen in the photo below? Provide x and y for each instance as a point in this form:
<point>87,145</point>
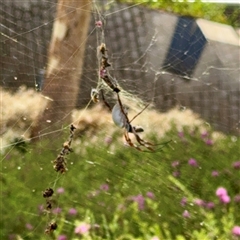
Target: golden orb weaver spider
<point>120,118</point>
<point>119,112</point>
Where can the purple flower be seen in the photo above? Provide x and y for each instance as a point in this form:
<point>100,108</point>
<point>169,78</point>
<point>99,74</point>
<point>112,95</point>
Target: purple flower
<point>108,140</point>
<point>82,228</point>
<point>60,190</point>
<point>183,201</point>
<point>204,134</point>
<point>199,202</point>
<point>181,134</point>
<point>41,208</point>
<point>139,199</point>
<point>236,165</point>
<point>72,211</point>
<point>221,191</point>
<point>104,187</point>
<point>237,198</point>
<point>215,173</point>
<point>225,199</point>
<point>150,195</point>
<point>12,237</point>
<point>121,207</point>
<point>29,226</point>
<point>176,174</point>
<point>209,142</point>
<point>210,205</point>
<point>236,230</point>
<point>56,210</point>
<point>186,214</point>
<point>192,162</point>
<point>175,164</point>
<point>62,237</point>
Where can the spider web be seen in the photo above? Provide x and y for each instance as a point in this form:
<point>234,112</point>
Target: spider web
<point>156,58</point>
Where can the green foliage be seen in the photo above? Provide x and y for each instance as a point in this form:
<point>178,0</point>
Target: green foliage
<point>111,190</point>
<point>197,9</point>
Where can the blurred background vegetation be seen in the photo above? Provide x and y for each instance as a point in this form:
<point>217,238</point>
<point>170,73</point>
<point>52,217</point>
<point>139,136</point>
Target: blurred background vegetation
<point>223,13</point>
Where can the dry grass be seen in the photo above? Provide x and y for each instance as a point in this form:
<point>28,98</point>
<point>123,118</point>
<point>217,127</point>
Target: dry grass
<point>19,113</point>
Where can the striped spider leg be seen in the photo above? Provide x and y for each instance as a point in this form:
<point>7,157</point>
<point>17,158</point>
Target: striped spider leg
<point>120,118</point>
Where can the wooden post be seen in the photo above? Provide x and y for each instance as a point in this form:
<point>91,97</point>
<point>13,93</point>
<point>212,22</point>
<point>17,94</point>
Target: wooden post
<point>65,61</point>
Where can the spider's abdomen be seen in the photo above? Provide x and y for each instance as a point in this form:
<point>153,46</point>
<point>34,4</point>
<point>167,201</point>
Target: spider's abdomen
<point>118,117</point>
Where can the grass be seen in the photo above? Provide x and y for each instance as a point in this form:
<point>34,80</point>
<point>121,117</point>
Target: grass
<point>217,12</point>
<point>123,193</point>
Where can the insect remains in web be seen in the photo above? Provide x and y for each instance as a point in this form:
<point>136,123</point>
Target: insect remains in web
<point>48,193</point>
<point>60,162</point>
<point>51,227</point>
<point>120,118</point>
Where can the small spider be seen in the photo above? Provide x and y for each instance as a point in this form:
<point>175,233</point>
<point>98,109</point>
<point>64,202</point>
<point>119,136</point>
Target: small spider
<point>120,118</point>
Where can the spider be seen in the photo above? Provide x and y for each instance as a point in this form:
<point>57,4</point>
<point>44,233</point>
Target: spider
<point>120,118</point>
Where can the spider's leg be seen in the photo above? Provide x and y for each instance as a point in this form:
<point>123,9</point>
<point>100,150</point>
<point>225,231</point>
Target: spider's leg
<point>143,143</point>
<point>139,113</point>
<point>129,141</point>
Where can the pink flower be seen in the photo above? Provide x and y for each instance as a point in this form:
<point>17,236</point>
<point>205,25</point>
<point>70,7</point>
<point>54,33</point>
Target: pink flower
<point>210,205</point>
<point>209,142</point>
<point>108,140</point>
<point>199,202</point>
<point>192,162</point>
<point>181,134</point>
<point>121,207</point>
<point>236,165</point>
<point>215,173</point>
<point>183,201</point>
<point>82,228</point>
<point>204,134</point>
<point>41,208</point>
<point>186,214</point>
<point>150,195</point>
<point>29,226</point>
<point>140,201</point>
<point>236,231</point>
<point>56,210</point>
<point>62,237</point>
<point>72,211</point>
<point>237,198</point>
<point>175,164</point>
<point>60,190</point>
<point>221,191</point>
<point>176,174</point>
<point>225,199</point>
<point>104,187</point>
